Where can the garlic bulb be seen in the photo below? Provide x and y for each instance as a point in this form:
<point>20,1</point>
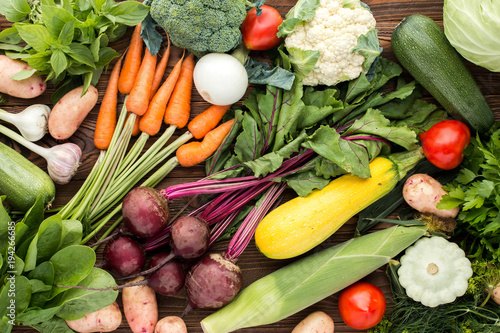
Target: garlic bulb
<point>63,161</point>
<point>32,122</point>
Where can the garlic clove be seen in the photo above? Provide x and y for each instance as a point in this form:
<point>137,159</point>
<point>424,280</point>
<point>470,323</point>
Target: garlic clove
<point>63,162</point>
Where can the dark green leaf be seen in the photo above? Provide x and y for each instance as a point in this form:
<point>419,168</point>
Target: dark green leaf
<point>59,62</point>
<point>152,37</point>
<point>305,182</point>
<point>71,265</point>
<point>49,237</point>
<point>67,33</point>
<point>45,273</point>
<point>250,143</point>
<point>260,73</point>
<point>76,303</point>
<point>31,255</point>
<point>81,54</point>
<point>130,13</point>
<point>72,232</point>
<point>106,54</point>
<point>5,224</point>
<point>22,293</point>
<point>38,286</point>
<point>37,317</point>
<point>54,325</point>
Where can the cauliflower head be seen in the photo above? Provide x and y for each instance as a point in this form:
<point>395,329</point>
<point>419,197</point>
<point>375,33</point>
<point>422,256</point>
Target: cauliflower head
<point>333,31</point>
<point>201,26</point>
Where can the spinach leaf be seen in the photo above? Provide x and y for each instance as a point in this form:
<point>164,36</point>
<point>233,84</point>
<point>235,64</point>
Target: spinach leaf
<point>49,238</point>
<point>71,265</point>
<point>54,325</point>
<point>72,232</point>
<point>76,303</point>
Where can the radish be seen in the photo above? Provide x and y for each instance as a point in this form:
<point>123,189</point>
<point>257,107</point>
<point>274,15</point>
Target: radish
<point>124,256</point>
<point>145,212</point>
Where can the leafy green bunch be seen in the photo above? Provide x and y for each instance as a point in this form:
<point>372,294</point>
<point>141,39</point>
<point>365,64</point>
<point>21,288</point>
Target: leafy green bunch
<point>476,190</point>
<point>67,40</point>
<point>39,260</point>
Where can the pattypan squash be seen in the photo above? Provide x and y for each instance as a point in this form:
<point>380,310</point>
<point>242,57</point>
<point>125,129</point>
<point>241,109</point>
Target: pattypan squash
<point>434,271</point>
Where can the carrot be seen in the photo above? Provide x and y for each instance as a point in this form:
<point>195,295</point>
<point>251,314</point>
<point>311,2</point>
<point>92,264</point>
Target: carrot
<point>138,99</point>
<point>200,125</point>
<point>132,62</point>
<point>179,106</point>
<point>106,119</point>
<point>160,69</point>
<point>196,152</point>
<point>151,121</point>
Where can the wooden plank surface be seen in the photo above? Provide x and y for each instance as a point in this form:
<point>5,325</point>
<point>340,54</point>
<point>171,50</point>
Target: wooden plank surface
<point>253,264</point>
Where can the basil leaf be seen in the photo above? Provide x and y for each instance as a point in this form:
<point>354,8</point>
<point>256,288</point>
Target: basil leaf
<point>59,62</point>
<point>81,54</point>
<point>67,33</point>
<point>14,10</point>
<point>106,54</point>
<point>55,18</point>
<point>10,36</point>
<point>24,74</point>
<point>40,61</point>
<point>35,35</point>
<point>128,12</point>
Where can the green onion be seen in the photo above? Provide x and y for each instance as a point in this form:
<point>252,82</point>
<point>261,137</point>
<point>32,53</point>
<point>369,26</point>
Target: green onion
<point>310,279</point>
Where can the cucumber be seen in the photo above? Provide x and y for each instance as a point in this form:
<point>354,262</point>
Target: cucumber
<point>421,47</point>
<point>22,181</point>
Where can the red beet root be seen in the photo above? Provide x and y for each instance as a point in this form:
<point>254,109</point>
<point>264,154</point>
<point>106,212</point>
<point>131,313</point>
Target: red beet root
<point>190,237</point>
<point>213,282</point>
<point>145,211</point>
<point>124,256</point>
<point>169,278</point>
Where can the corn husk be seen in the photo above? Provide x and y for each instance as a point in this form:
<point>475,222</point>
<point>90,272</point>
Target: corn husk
<point>310,279</point>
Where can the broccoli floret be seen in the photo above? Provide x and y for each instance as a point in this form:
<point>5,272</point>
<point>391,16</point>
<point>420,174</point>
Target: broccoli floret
<point>201,26</point>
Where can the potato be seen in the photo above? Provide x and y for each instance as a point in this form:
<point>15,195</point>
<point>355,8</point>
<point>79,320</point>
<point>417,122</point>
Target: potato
<point>316,322</point>
<point>140,307</point>
<point>107,319</point>
<point>28,88</point>
<point>68,114</point>
<point>423,193</point>
<point>171,324</point>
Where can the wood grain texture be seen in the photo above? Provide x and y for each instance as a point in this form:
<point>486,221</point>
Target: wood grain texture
<point>254,265</point>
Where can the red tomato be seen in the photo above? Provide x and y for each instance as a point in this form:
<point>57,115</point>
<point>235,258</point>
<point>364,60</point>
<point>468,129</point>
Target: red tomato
<point>444,143</point>
<point>362,305</point>
<point>259,32</point>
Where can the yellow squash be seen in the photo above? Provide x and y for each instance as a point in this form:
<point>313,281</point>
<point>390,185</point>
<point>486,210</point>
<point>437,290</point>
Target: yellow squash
<point>302,223</point>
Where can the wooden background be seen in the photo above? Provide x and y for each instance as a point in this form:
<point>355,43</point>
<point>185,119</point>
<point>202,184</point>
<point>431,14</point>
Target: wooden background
<point>254,265</point>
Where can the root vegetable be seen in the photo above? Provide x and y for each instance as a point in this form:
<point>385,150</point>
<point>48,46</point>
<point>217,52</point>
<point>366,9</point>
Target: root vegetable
<point>316,322</point>
<point>171,324</point>
<point>213,282</point>
<point>189,237</point>
<point>124,256</point>
<point>70,111</point>
<point>169,278</point>
<point>423,193</point>
<point>140,307</point>
<point>30,87</point>
<point>107,319</point>
<point>145,212</point>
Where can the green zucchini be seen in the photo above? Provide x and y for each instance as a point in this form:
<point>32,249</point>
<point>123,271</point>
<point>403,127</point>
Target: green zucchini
<point>22,181</point>
<point>421,47</point>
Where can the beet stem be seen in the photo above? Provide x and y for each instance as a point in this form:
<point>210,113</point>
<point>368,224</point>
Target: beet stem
<point>149,271</point>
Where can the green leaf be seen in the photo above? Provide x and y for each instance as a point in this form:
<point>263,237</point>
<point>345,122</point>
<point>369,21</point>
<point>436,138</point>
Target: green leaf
<point>303,10</point>
<point>45,273</point>
<point>24,74</point>
<point>81,54</point>
<point>305,182</point>
<point>37,317</point>
<point>71,265</point>
<point>67,33</point>
<point>259,72</point>
<point>31,255</point>
<point>38,286</point>
<point>40,61</point>
<point>106,54</point>
<point>369,47</point>
<point>56,18</point>
<point>49,237</point>
<point>250,142</point>
<point>130,13</point>
<point>72,232</point>
<point>76,303</point>
<point>5,224</point>
<point>14,10</point>
<point>23,293</point>
<point>56,325</point>
<point>59,62</point>
<point>35,35</point>
<point>303,61</point>
<point>10,36</point>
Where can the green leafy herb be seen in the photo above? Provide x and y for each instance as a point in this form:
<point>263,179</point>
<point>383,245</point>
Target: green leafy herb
<point>475,191</point>
<point>67,41</point>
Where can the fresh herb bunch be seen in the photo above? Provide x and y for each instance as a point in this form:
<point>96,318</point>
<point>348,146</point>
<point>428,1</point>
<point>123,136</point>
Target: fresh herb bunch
<point>473,312</point>
<point>67,40</point>
<point>476,190</point>
<point>40,257</point>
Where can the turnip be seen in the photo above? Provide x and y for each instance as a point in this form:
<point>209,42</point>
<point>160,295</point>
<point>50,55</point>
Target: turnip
<point>145,212</point>
<point>213,282</point>
<point>124,256</point>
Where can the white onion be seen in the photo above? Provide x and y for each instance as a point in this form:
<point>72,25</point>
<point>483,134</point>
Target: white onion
<point>220,78</point>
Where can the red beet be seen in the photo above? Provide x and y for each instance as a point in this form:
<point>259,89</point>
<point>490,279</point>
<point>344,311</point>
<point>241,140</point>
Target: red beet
<point>169,278</point>
<point>189,237</point>
<point>145,211</point>
<point>124,256</point>
<point>213,282</point>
